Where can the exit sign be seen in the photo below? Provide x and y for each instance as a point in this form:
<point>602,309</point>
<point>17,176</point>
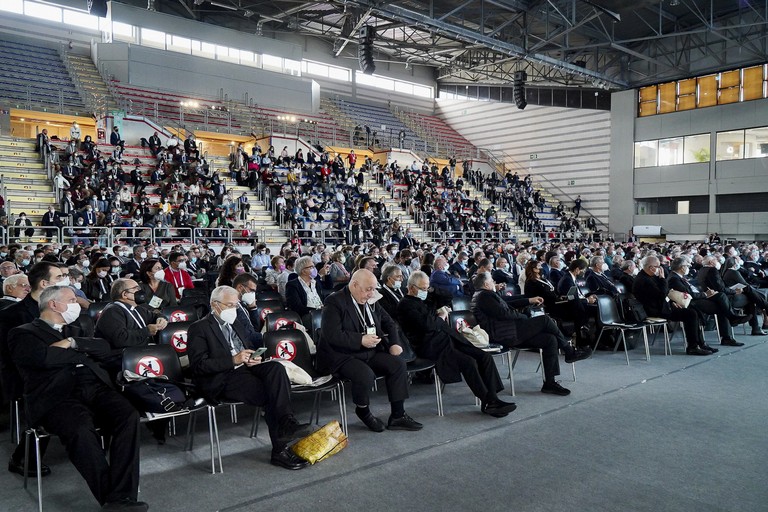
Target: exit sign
<point>534,156</point>
<point>571,182</point>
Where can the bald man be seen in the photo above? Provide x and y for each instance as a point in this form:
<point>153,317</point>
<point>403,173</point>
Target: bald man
<point>359,341</point>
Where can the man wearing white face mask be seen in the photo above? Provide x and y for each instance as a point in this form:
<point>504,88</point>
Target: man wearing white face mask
<point>434,339</point>
<point>247,312</point>
<point>224,367</point>
<point>66,391</point>
<point>131,267</point>
<point>41,276</point>
<point>597,281</point>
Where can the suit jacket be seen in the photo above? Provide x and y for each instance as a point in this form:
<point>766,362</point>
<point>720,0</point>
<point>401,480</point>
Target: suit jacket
<point>456,270</point>
<point>51,219</point>
<point>390,299</point>
<point>13,316</point>
<point>131,267</point>
<point>555,274</point>
<point>296,296</point>
<point>120,329</point>
<point>210,358</point>
<point>543,289</point>
<point>679,283</point>
<point>446,283</point>
<point>566,283</point>
<point>5,303</point>
<point>499,276</point>
<point>342,332</point>
<point>495,316</point>
<point>49,372</point>
<point>601,284</point>
<point>652,292</point>
<point>709,277</point>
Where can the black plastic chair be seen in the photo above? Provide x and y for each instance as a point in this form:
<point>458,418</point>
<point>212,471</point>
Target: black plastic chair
<point>281,320</point>
<point>460,303</point>
<point>95,309</point>
<point>608,319</point>
<point>162,361</point>
<point>291,345</point>
<point>266,295</point>
<point>263,308</point>
<point>175,335</point>
<point>180,314</point>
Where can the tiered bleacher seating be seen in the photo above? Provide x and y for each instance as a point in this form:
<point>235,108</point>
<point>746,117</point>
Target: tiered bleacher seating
<point>34,77</point>
<point>376,116</point>
<point>163,105</point>
<point>447,141</point>
<point>321,126</point>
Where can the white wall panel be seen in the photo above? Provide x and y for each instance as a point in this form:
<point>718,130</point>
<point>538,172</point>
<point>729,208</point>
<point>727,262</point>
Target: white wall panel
<point>555,145</point>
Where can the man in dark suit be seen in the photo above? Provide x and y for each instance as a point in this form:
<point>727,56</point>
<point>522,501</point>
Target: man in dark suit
<point>154,144</point>
<point>555,270</point>
<point>651,289</point>
<point>69,394</point>
<point>597,281</point>
<point>459,267</point>
<point>41,276</point>
<point>432,338</point>
<point>407,242</point>
<point>503,273</point>
<point>709,278</point>
<point>124,322</point>
<point>708,303</point>
<point>512,329</point>
<point>247,313</point>
<point>132,266</point>
<point>224,367</point>
<point>15,289</point>
<point>358,343</point>
<point>51,218</point>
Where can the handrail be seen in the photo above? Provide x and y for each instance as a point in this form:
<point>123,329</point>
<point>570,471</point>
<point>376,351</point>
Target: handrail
<point>568,196</point>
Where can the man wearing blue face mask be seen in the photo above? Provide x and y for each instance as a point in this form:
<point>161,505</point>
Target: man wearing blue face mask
<point>455,357</point>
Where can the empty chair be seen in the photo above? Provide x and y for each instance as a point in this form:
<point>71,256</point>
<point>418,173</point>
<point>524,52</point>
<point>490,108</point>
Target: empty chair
<point>608,319</point>
<point>266,295</point>
<point>180,313</point>
<point>175,335</point>
<point>281,320</point>
<point>263,308</point>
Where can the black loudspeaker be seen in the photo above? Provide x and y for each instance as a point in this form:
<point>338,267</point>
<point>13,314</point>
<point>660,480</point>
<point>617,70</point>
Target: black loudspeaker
<point>97,8</point>
<point>365,49</point>
<point>518,89</point>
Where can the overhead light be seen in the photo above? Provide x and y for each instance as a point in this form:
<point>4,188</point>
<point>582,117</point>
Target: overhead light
<point>199,2</point>
<point>224,6</point>
<point>248,14</point>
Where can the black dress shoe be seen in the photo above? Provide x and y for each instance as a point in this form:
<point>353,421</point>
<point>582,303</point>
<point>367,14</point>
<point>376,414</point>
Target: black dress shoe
<point>126,504</point>
<point>372,422</point>
<point>730,342</point>
<point>554,388</point>
<point>404,422</point>
<point>712,350</point>
<point>18,467</point>
<point>758,332</point>
<point>498,408</point>
<point>288,460</point>
<point>291,429</point>
<point>578,354</point>
<point>696,351</point>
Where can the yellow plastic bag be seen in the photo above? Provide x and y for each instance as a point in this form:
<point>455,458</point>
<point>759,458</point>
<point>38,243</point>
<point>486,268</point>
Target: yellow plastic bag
<point>322,443</point>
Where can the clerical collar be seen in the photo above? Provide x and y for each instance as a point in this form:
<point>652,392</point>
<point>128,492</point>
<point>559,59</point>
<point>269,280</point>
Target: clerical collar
<point>57,327</point>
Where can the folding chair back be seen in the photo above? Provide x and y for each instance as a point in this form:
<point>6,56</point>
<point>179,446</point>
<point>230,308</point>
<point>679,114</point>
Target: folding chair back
<point>460,303</point>
<point>291,345</point>
<point>281,319</point>
<point>457,319</point>
<point>180,314</point>
<point>175,335</point>
<point>153,360</point>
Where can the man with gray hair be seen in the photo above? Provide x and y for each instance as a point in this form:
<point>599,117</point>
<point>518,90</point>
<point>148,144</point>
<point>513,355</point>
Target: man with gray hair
<point>454,356</point>
<point>67,392</point>
<point>225,366</point>
<point>15,288</point>
<point>651,289</point>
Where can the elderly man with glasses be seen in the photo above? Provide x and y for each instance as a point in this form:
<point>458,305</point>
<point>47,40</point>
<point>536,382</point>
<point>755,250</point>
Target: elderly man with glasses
<point>651,289</point>
<point>225,366</point>
<point>15,288</point>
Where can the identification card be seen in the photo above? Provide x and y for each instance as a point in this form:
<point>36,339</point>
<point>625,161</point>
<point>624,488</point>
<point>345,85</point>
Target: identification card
<point>155,302</point>
<point>181,291</point>
<point>371,330</point>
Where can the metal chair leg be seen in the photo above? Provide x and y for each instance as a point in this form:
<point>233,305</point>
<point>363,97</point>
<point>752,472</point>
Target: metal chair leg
<point>438,393</point>
<point>255,423</point>
<point>511,365</point>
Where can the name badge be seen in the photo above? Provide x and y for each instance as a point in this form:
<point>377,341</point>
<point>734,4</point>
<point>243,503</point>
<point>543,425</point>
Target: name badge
<point>155,302</point>
<point>371,330</point>
<point>181,291</point>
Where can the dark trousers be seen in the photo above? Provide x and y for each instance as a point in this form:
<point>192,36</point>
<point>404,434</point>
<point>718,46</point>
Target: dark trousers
<point>362,372</point>
<point>479,371</point>
<point>541,332</point>
<point>75,419</point>
<point>264,385</point>
<point>716,305</point>
<point>690,320</point>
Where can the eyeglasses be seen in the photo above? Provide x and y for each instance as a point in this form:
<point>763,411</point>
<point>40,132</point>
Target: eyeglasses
<point>227,305</point>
